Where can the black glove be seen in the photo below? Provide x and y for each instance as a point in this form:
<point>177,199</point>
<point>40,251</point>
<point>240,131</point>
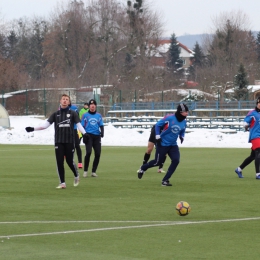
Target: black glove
<point>181,138</point>
<point>247,128</point>
<point>85,138</point>
<point>29,129</point>
<point>102,131</point>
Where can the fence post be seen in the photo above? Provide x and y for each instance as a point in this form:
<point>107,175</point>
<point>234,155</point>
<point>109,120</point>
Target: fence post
<point>3,101</point>
<point>26,102</point>
<point>135,95</point>
<point>162,98</point>
<point>44,101</point>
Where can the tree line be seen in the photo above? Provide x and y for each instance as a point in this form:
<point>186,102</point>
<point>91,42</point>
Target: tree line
<point>110,42</point>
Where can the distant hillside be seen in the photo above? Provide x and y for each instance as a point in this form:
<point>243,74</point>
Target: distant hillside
<point>190,39</point>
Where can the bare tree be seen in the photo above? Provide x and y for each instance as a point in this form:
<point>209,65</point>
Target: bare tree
<point>231,45</point>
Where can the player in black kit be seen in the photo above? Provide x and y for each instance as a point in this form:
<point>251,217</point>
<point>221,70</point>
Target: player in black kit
<point>64,120</point>
<point>150,146</point>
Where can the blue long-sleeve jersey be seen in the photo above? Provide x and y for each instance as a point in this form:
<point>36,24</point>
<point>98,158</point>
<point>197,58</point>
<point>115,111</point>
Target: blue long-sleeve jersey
<point>92,123</point>
<point>253,120</point>
<point>171,129</point>
<point>74,108</point>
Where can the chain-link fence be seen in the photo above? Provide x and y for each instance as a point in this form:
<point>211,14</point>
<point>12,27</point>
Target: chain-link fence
<point>46,101</point>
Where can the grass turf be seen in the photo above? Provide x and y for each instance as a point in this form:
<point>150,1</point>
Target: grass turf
<point>118,216</point>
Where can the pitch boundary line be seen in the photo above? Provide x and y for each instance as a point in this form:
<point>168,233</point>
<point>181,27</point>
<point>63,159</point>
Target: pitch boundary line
<point>40,149</point>
<point>129,227</point>
<point>83,221</point>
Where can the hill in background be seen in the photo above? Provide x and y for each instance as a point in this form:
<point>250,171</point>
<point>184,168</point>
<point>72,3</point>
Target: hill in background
<point>190,39</point>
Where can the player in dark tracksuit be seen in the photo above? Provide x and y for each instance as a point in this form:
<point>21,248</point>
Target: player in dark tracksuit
<point>173,127</point>
<point>64,120</point>
<point>94,126</point>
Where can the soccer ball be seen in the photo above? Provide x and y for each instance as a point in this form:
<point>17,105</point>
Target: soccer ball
<point>183,208</point>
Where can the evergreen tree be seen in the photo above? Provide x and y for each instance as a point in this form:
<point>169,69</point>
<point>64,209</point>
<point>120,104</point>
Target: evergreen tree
<point>36,62</point>
<point>191,73</point>
<point>174,62</point>
<point>199,57</point>
<point>241,83</point>
<point>2,46</point>
<point>198,61</point>
<point>258,46</point>
<point>12,41</point>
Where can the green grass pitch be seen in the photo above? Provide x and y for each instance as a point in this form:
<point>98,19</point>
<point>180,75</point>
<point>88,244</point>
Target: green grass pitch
<point>118,216</point>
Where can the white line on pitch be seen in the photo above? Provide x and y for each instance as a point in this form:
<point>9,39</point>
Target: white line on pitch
<point>84,221</point>
<point>129,227</point>
<point>10,150</point>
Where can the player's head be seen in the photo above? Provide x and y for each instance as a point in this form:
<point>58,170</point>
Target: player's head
<point>92,102</point>
<point>257,108</point>
<point>92,105</point>
<point>65,101</point>
<point>86,105</point>
<point>182,108</point>
<point>182,112</point>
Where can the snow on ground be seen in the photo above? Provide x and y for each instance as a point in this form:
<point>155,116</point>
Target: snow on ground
<point>120,136</point>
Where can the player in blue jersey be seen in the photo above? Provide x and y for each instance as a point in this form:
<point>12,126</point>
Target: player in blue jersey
<point>173,126</point>
<point>76,138</point>
<point>252,122</point>
<point>94,126</point>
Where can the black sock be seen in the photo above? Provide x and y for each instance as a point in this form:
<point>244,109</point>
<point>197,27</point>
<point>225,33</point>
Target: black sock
<point>146,158</point>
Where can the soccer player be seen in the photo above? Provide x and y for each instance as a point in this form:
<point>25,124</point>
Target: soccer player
<point>173,126</point>
<point>64,120</point>
<point>83,110</point>
<point>252,122</point>
<point>77,139</point>
<point>246,162</point>
<point>150,146</point>
<point>94,127</point>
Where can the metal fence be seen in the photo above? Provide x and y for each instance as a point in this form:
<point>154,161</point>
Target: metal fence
<point>45,101</point>
<point>216,105</point>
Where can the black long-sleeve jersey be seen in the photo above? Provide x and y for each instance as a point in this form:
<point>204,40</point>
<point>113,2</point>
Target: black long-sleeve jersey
<point>64,120</point>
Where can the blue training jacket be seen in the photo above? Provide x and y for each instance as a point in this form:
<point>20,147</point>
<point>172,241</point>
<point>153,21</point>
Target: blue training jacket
<point>74,108</point>
<point>92,123</point>
<point>172,128</point>
<point>253,120</point>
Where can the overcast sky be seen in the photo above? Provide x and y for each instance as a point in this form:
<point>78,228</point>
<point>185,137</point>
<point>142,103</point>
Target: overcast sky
<point>181,17</point>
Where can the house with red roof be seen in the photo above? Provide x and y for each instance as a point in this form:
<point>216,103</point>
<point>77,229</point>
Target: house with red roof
<point>160,54</point>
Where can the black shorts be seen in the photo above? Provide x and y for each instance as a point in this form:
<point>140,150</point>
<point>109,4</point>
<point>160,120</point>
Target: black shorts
<point>152,136</point>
